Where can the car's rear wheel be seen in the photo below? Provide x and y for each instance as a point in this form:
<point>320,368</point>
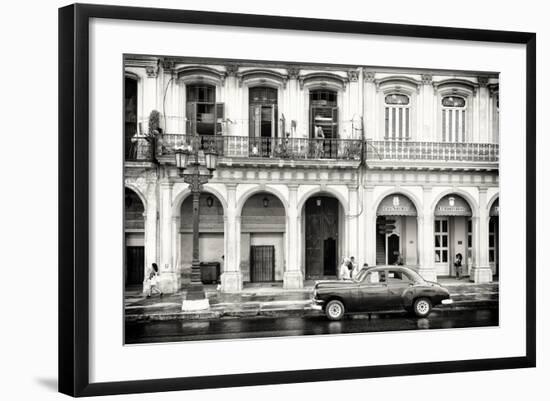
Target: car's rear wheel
<point>335,310</point>
<point>422,307</point>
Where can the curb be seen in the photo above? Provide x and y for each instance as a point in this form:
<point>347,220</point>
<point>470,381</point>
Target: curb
<point>306,311</point>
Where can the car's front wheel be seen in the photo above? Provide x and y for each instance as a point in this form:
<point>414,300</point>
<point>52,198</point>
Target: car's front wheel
<point>335,310</point>
<point>422,307</point>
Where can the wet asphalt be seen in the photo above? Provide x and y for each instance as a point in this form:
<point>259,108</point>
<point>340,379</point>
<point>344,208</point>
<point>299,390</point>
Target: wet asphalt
<point>232,328</point>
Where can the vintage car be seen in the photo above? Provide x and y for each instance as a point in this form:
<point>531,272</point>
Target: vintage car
<point>379,288</point>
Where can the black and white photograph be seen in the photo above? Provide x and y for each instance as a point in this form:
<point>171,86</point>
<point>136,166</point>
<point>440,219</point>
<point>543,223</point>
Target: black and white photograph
<point>273,199</point>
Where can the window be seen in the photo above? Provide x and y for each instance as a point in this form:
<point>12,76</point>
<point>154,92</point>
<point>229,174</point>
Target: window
<point>204,115</point>
<point>397,116</point>
<point>453,119</point>
<point>262,112</point>
<point>375,277</point>
<point>441,240</point>
<point>130,115</point>
<point>323,109</point>
<point>398,277</point>
<point>469,257</point>
<point>492,240</point>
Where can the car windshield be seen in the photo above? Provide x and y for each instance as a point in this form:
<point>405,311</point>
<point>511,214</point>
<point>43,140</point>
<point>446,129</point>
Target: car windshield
<point>410,274</point>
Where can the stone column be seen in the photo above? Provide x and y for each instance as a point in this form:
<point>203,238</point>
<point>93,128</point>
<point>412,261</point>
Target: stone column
<point>168,275</point>
<point>427,265</point>
<point>352,223</point>
<point>426,127</point>
<point>293,277</point>
<point>150,227</point>
<point>481,271</point>
<point>231,278</point>
<point>369,110</point>
<point>484,134</point>
<point>370,227</point>
<point>150,91</point>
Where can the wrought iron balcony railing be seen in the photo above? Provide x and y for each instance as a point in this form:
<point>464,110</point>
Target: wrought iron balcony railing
<point>139,149</point>
<point>431,151</point>
<point>277,148</point>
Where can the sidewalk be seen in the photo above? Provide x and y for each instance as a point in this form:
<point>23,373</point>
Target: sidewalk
<point>274,301</point>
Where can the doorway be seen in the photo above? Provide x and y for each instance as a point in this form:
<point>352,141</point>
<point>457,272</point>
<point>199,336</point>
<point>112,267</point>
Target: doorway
<point>393,249</point>
<point>262,263</point>
<point>135,263</point>
<point>263,120</point>
<point>321,229</point>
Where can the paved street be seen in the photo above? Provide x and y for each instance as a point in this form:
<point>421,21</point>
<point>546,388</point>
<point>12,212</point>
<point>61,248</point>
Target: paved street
<point>229,328</point>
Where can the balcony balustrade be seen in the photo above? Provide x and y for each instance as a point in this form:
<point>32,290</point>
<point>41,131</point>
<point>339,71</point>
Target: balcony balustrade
<point>404,150</point>
<point>242,147</point>
<point>277,148</point>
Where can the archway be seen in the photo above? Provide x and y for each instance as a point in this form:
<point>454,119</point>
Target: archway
<point>211,237</point>
<point>396,231</point>
<point>323,222</point>
<point>134,242</point>
<point>263,236</point>
<point>494,236</point>
<point>453,236</point>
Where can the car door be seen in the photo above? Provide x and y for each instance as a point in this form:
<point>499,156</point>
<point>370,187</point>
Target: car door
<point>398,282</point>
<point>372,292</point>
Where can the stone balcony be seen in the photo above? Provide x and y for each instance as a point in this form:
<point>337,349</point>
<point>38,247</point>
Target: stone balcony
<point>415,155</point>
<point>241,151</point>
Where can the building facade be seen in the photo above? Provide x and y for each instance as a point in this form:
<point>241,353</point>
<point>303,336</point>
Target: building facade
<point>316,162</point>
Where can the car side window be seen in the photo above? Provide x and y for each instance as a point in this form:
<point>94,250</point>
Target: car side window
<point>398,277</point>
<point>375,277</point>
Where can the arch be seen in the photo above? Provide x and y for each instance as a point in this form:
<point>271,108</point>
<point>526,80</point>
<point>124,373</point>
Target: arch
<point>262,77</point>
<point>183,194</point>
<point>322,80</point>
<point>319,191</point>
<point>255,190</point>
<point>401,191</point>
<point>394,83</point>
<point>467,197</point>
<point>456,84</point>
<point>200,74</point>
<point>138,192</point>
<point>131,75</point>
<point>492,200</point>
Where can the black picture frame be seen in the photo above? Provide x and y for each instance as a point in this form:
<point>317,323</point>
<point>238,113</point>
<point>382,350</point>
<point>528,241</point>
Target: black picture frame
<point>74,201</point>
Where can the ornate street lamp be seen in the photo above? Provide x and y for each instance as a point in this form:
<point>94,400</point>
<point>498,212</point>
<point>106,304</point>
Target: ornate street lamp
<point>196,175</point>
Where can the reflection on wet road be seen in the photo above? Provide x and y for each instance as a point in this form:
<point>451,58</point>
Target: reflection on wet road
<point>230,328</point>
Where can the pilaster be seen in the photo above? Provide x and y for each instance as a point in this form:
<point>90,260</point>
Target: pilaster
<point>231,277</point>
<point>293,277</point>
<point>481,271</point>
<point>427,261</point>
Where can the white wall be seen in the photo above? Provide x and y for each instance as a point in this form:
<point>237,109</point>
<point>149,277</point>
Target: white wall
<point>38,379</point>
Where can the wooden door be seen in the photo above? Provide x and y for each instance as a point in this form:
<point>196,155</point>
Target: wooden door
<point>321,236</point>
<point>135,263</point>
<point>262,263</point>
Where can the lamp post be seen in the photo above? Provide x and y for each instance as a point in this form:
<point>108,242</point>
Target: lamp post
<point>196,175</point>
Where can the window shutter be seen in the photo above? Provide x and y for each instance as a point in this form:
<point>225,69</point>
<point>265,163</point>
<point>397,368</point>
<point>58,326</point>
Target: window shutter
<point>220,116</point>
<point>274,121</point>
<point>335,122</point>
<point>191,115</point>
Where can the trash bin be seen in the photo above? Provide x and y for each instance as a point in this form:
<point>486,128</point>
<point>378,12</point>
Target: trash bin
<point>210,272</point>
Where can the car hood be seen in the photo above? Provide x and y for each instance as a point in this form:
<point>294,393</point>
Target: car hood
<point>334,284</point>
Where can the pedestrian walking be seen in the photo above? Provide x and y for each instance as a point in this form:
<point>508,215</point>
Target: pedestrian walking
<point>458,265</point>
<point>352,265</point>
<point>153,281</point>
<point>344,273</point>
<point>355,271</point>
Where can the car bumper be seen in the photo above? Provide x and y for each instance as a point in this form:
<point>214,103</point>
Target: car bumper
<point>447,301</point>
<point>317,304</point>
